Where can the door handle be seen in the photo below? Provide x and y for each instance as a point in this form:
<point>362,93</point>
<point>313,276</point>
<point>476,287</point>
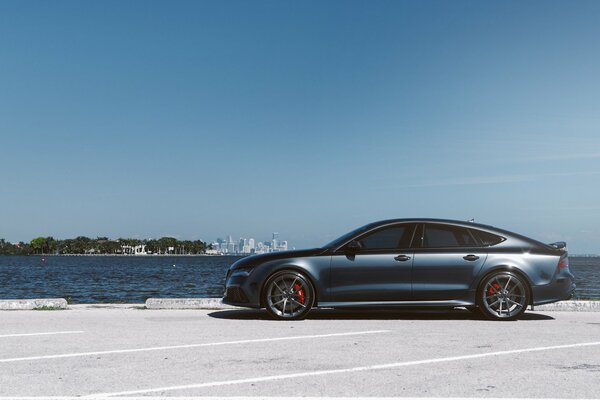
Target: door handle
<point>402,257</point>
<point>471,257</point>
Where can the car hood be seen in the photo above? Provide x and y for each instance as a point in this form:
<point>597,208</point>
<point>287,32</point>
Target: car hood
<point>262,258</point>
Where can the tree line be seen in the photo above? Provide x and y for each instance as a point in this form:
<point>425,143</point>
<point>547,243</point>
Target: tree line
<point>102,245</point>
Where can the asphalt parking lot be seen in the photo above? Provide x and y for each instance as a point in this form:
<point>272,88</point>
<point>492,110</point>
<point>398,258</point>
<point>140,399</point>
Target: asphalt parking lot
<point>126,352</point>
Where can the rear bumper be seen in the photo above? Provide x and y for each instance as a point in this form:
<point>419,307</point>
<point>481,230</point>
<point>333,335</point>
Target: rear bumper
<point>561,288</point>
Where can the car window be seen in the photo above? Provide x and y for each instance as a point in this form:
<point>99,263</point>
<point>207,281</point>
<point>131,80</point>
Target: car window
<point>447,236</point>
<point>386,238</point>
<point>486,238</point>
<point>347,236</point>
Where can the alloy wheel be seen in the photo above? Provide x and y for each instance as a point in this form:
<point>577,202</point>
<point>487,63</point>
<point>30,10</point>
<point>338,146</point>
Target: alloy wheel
<point>503,296</point>
<point>288,296</point>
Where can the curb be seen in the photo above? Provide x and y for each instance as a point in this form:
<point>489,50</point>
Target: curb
<point>185,304</point>
<point>33,304</point>
<point>571,305</point>
<point>107,306</point>
<point>216,304</point>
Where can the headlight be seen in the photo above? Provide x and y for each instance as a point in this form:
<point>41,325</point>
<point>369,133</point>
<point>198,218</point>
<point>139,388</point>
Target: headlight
<point>244,271</point>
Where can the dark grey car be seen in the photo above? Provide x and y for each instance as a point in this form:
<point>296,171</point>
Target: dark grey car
<point>410,263</point>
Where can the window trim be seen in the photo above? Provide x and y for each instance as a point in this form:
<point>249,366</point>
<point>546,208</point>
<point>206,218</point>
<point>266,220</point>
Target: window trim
<point>420,228</point>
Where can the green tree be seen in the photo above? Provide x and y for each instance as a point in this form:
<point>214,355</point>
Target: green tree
<point>108,246</point>
<point>7,248</point>
<point>102,245</point>
<point>50,245</point>
<point>38,244</point>
<point>82,245</point>
<point>152,246</point>
<point>166,242</point>
<point>198,247</point>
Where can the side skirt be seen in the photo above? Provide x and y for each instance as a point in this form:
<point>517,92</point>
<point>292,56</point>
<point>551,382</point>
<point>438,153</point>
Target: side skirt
<point>367,304</point>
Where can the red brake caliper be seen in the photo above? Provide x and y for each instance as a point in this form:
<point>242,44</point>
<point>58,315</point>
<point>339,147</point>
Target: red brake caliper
<point>494,289</point>
<point>298,289</point>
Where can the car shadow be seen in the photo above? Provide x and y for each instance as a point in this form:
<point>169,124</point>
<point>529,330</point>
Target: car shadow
<point>365,314</point>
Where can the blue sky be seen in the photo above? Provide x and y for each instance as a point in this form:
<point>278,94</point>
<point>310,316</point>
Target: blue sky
<point>199,119</point>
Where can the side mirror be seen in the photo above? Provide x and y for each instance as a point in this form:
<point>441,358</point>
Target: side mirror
<point>353,247</point>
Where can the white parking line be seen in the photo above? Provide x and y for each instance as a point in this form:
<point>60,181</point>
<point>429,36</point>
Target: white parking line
<point>187,346</point>
<point>339,371</point>
<point>39,334</point>
<point>290,398</point>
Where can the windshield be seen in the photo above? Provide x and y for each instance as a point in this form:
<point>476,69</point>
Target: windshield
<point>344,238</point>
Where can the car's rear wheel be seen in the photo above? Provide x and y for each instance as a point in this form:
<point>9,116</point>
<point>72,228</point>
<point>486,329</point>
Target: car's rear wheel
<point>503,295</point>
<point>288,295</point>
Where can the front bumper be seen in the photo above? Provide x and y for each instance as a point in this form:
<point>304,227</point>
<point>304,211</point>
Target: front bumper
<point>242,292</point>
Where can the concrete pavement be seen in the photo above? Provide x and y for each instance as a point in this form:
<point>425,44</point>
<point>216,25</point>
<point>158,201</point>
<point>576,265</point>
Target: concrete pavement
<point>122,352</point>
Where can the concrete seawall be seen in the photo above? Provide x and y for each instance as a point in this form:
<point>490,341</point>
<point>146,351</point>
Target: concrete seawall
<point>571,305</point>
<point>32,304</point>
<point>182,304</point>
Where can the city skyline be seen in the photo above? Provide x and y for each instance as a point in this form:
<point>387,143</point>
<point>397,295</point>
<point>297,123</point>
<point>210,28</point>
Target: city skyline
<point>248,245</point>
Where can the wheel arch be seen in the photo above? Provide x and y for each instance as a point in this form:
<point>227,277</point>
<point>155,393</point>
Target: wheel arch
<point>505,268</point>
<point>295,268</point>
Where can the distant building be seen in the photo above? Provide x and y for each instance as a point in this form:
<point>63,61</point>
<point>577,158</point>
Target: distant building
<point>135,250</point>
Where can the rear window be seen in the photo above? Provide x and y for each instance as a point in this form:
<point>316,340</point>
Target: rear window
<point>447,236</point>
<point>486,238</point>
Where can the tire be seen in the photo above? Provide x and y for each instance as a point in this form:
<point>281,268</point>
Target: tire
<point>503,296</point>
<point>288,295</point>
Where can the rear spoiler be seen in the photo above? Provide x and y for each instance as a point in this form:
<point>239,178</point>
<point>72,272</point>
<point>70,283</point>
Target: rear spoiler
<point>559,245</point>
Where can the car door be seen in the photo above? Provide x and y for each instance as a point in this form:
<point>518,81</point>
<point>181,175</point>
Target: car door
<point>446,261</point>
<point>379,271</point>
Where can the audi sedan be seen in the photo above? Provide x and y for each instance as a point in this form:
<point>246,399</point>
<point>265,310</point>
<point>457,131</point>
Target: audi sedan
<point>407,263</point>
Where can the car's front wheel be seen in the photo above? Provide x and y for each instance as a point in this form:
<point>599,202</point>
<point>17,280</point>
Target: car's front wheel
<point>288,295</point>
<point>503,295</point>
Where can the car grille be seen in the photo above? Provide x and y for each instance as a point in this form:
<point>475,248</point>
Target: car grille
<point>236,295</point>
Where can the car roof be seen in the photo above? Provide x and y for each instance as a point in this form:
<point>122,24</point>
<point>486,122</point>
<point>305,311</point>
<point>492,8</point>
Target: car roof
<point>436,220</point>
<point>467,224</point>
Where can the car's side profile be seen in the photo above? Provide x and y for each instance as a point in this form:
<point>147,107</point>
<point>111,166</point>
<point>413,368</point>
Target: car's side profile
<point>410,263</point>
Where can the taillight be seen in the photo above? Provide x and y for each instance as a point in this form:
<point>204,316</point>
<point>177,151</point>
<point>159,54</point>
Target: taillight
<point>563,262</point>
